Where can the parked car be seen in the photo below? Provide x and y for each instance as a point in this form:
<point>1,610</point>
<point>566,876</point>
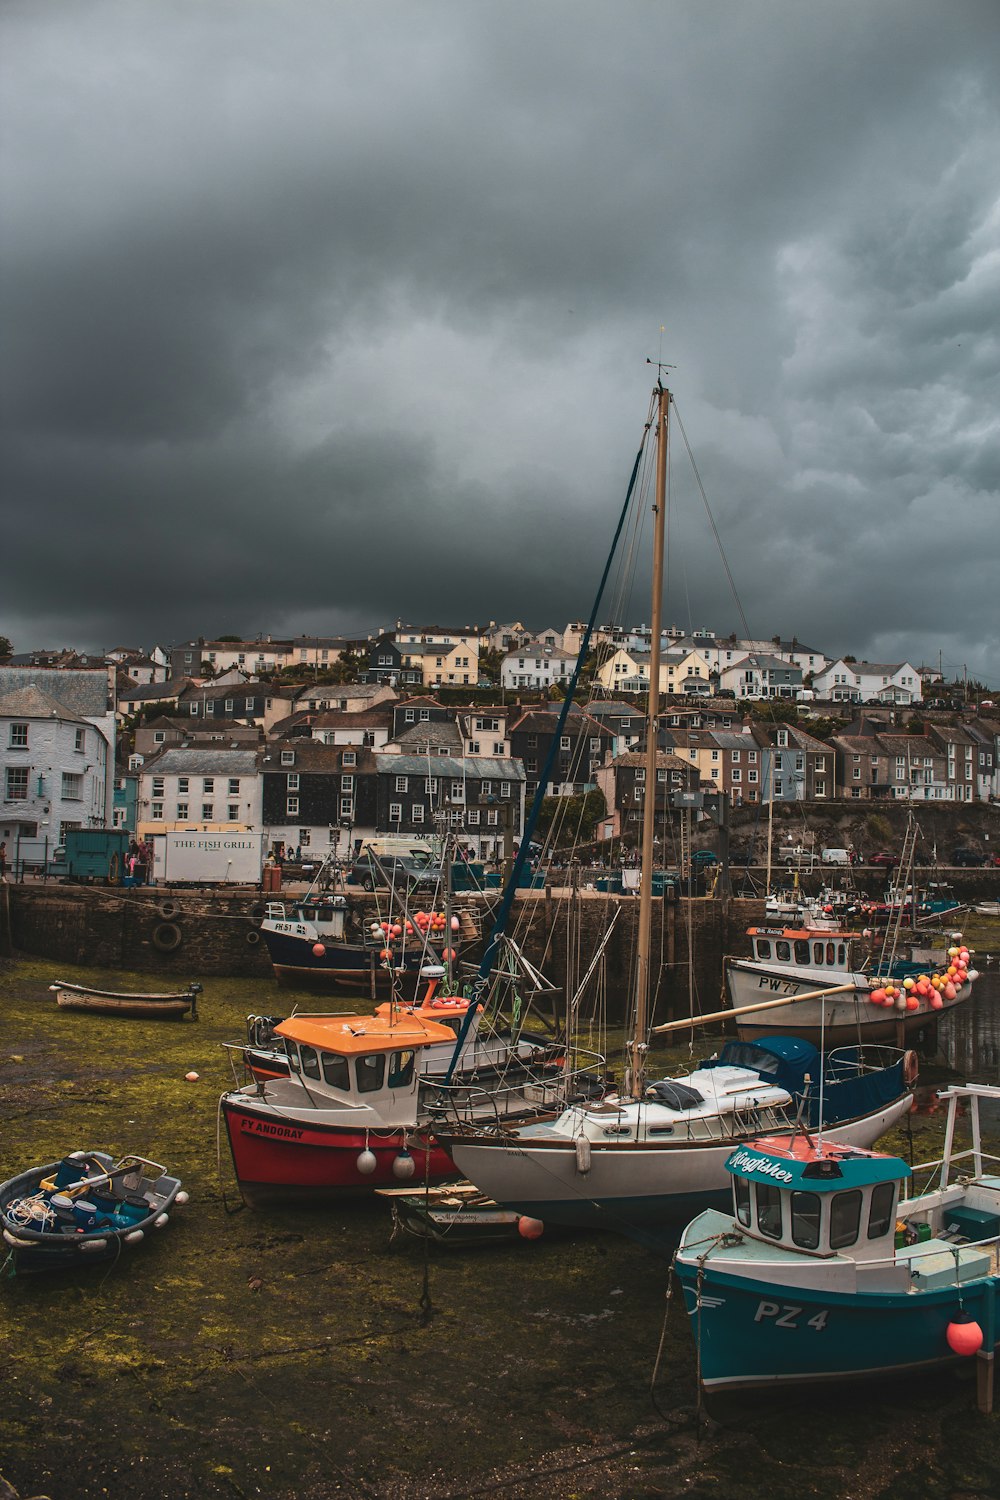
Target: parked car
<point>836,856</point>
<point>884,858</point>
<point>803,859</point>
<point>396,870</point>
<point>967,857</point>
<point>702,857</point>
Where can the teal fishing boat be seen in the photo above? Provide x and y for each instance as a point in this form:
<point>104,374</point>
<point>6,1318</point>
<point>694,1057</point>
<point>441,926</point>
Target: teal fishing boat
<point>828,1268</point>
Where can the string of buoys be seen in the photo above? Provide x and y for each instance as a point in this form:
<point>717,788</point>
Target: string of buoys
<point>932,989</point>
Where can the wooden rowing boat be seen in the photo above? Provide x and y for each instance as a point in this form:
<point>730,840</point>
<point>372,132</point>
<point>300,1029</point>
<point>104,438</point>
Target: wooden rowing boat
<point>120,1003</point>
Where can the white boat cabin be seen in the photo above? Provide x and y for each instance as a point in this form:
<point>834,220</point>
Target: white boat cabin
<point>366,1063</point>
<point>806,950</point>
<point>314,918</point>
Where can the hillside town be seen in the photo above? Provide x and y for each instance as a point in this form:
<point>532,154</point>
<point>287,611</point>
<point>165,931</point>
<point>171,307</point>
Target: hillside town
<point>313,745</point>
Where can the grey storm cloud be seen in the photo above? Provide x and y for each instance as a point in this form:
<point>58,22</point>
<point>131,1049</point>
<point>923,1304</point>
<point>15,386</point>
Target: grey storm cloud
<point>320,315</point>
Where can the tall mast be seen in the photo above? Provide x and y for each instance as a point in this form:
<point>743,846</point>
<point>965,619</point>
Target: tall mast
<point>644,946</point>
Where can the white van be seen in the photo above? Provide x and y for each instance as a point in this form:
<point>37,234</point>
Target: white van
<point>836,857</point>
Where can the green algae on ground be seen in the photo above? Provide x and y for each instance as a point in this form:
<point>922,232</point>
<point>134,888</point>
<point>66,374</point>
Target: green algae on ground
<point>288,1353</point>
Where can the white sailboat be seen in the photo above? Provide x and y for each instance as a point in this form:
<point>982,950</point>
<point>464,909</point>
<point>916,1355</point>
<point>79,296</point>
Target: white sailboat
<point>653,1155</point>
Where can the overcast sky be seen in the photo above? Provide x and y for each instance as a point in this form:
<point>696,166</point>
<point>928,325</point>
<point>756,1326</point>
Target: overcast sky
<point>316,315</point>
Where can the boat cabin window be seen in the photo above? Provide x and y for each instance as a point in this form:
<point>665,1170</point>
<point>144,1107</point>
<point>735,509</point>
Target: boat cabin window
<point>881,1214</point>
<point>763,948</point>
<point>371,1072</point>
<point>783,951</point>
<point>336,1070</point>
<point>768,1209</point>
<point>805,1220</point>
<point>831,953</point>
<point>401,1069</point>
<point>841,955</point>
<point>293,1055</point>
<point>310,1062</point>
<point>817,953</point>
<point>845,1219</point>
<point>801,951</point>
<point>741,1200</point>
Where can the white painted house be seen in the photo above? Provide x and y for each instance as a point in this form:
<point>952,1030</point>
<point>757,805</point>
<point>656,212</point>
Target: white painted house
<point>57,739</point>
<point>535,665</point>
<point>868,682</point>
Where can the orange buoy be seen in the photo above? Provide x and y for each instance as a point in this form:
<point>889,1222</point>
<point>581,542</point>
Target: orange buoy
<point>530,1229</point>
<point>964,1335</point>
<point>319,949</point>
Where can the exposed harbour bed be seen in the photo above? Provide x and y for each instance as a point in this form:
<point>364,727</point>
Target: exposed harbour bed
<point>293,1353</point>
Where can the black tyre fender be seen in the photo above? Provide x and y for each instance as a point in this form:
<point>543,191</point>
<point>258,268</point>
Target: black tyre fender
<point>257,912</point>
<point>253,937</point>
<point>166,937</point>
<point>168,910</point>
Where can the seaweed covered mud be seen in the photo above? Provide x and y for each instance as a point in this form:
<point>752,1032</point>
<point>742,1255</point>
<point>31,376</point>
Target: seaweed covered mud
<point>295,1354</point>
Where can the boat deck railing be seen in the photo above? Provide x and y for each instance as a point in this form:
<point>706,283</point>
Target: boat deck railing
<point>489,1106</point>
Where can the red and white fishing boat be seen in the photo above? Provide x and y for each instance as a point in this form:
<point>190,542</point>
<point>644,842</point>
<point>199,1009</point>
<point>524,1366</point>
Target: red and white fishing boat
<point>356,1108</point>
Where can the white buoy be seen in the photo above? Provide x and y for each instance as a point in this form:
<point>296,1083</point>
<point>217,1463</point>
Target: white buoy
<point>403,1166</point>
<point>367,1162</point>
<point>134,1236</point>
<point>191,1077</point>
<point>582,1154</point>
<point>160,1220</point>
<point>182,1197</point>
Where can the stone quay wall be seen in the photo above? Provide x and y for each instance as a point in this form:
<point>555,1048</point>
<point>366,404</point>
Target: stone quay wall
<point>179,936</point>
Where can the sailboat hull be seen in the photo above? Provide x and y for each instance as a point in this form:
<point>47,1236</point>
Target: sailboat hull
<point>625,1186</point>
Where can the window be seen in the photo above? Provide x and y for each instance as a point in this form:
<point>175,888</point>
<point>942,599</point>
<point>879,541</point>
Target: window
<point>741,1200</point>
<point>288,757</point>
<point>207,812</point>
<point>486,790</point>
<point>505,789</point>
<point>72,786</point>
<point>763,948</point>
<point>209,709</point>
<point>474,817</point>
<point>78,740</point>
<point>371,1072</point>
<point>193,710</point>
<point>336,1071</point>
<point>845,1219</point>
<point>801,951</point>
<point>234,786</point>
<point>431,785</point>
<point>347,783</point>
<point>309,1059</point>
<point>564,742</point>
<point>249,705</point>
<point>182,784</point>
<point>425,714</point>
<point>292,807</point>
<point>182,810</point>
<point>402,782</point>
<point>769,1209</point>
<point>782,951</point>
<point>458,791</point>
<point>491,817</point>
<point>350,758</point>
<point>409,716</point>
<point>233,812</point>
<point>881,1211</point>
<point>305,837</point>
<point>156,811</point>
<point>292,781</point>
<point>805,1220</point>
<point>347,807</point>
<point>18,737</point>
<point>208,784</point>
<point>401,1069</point>
<point>228,705</point>
<point>395,812</point>
<point>417,812</point>
<point>159,736</point>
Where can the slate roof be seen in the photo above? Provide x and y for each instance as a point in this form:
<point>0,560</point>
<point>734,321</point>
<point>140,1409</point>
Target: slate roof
<point>84,694</point>
<point>459,768</point>
<point>31,703</point>
<point>203,760</point>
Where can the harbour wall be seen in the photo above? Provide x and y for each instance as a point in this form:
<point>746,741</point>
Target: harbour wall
<point>180,936</point>
<point>185,935</point>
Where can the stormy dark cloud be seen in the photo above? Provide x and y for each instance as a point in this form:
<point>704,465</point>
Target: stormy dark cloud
<point>319,315</point>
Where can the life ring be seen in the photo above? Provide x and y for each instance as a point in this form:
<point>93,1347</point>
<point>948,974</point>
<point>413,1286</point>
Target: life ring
<point>167,937</point>
<point>911,1068</point>
<point>253,937</point>
<point>168,910</point>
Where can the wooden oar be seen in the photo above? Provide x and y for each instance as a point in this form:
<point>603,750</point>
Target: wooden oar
<point>746,1010</point>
